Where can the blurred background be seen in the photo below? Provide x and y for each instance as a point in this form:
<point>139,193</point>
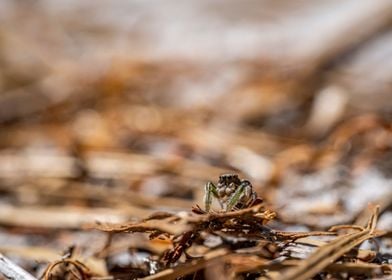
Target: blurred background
<point>111,110</point>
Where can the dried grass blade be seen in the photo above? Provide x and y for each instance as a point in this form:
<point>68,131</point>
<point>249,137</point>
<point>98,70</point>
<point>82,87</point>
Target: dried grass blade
<point>190,267</point>
<point>329,253</point>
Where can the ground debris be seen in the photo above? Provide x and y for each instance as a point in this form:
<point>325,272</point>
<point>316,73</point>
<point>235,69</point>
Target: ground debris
<point>113,126</point>
<point>248,246</point>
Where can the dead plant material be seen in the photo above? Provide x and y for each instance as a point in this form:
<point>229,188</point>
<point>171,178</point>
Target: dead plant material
<point>122,116</point>
<point>189,233</point>
<point>329,253</point>
<point>68,268</point>
<point>11,271</point>
<point>182,270</point>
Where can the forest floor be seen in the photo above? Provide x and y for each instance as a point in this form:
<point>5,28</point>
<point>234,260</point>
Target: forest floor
<point>114,115</point>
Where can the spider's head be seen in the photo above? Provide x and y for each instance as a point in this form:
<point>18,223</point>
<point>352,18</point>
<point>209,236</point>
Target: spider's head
<point>227,179</point>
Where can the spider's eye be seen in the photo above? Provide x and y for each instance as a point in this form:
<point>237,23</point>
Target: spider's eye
<point>224,177</point>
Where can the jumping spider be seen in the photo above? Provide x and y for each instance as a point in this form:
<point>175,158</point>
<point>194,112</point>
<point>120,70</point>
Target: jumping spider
<point>231,193</point>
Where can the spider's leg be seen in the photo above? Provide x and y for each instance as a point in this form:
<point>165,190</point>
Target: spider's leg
<point>209,191</point>
<point>235,198</point>
<point>249,193</point>
<point>251,199</point>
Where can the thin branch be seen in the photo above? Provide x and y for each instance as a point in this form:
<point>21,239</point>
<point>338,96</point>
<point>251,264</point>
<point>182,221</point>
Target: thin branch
<point>11,271</point>
<point>329,253</point>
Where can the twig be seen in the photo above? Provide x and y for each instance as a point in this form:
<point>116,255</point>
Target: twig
<point>329,253</point>
<point>254,211</point>
<point>187,268</point>
<point>149,226</point>
<point>57,217</point>
<point>12,271</point>
<point>80,269</point>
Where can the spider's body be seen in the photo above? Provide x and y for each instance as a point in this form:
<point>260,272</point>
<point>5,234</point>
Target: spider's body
<point>231,193</point>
